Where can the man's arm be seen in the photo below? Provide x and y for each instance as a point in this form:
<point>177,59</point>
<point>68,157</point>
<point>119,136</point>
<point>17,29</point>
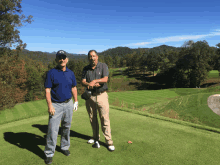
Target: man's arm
<point>84,83</point>
<point>74,92</point>
<point>48,97</point>
<point>102,80</point>
<point>90,85</point>
<point>99,81</point>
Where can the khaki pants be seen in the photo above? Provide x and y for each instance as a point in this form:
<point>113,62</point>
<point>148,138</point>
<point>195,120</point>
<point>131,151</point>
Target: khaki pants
<point>103,109</point>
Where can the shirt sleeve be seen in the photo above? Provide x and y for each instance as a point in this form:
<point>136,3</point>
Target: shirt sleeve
<point>105,72</point>
<point>48,80</point>
<point>84,73</point>
<point>74,82</point>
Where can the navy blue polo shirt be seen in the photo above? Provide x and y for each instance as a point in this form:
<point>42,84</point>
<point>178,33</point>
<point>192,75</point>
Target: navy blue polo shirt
<point>61,84</point>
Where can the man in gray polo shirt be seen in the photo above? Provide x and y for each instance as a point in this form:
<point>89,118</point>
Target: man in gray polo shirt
<point>96,75</point>
<point>60,86</point>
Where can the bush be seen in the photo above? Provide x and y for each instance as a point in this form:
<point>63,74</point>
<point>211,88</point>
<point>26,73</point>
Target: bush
<point>13,77</point>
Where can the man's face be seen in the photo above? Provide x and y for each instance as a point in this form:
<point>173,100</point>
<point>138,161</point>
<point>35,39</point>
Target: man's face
<point>93,58</point>
<point>61,62</point>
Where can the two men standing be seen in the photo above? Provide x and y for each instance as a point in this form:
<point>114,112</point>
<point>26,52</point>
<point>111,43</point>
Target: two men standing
<point>60,86</point>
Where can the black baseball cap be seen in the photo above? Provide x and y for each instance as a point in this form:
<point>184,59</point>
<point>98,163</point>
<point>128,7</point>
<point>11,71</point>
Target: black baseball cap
<point>61,53</point>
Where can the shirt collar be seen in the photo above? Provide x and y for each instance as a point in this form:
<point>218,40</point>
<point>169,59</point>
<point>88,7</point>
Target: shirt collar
<point>97,66</point>
<point>61,70</point>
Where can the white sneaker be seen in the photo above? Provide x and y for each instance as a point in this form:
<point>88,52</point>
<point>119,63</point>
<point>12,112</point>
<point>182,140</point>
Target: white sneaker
<point>91,141</point>
<point>111,148</point>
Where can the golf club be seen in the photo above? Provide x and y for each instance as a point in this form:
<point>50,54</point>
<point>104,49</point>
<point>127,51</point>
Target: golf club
<point>95,145</point>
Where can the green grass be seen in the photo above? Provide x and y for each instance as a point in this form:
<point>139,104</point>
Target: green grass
<point>27,110</point>
<point>138,98</point>
<point>155,140</point>
<point>173,126</point>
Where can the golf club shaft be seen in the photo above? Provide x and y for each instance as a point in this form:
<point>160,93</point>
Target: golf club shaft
<point>96,117</point>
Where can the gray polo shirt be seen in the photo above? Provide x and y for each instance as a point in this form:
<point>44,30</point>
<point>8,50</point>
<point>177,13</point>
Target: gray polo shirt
<point>100,71</point>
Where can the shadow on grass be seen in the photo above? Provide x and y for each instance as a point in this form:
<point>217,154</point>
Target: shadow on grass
<point>43,128</point>
<point>31,141</point>
<point>27,141</point>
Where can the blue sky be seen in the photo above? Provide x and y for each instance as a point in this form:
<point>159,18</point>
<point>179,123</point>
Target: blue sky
<point>78,27</point>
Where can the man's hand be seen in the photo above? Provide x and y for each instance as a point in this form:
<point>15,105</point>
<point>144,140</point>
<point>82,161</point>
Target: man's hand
<point>51,110</point>
<point>97,85</point>
<point>93,84</point>
<point>75,106</point>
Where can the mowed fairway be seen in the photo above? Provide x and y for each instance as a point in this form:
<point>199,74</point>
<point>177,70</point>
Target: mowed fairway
<point>155,141</point>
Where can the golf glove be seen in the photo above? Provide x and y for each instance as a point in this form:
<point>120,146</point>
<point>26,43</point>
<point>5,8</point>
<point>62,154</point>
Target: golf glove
<point>75,106</point>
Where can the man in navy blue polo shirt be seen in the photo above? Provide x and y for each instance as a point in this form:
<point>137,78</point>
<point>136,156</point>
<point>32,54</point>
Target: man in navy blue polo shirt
<point>60,85</point>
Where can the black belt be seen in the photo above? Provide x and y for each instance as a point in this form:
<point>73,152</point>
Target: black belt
<point>62,102</point>
<point>94,93</point>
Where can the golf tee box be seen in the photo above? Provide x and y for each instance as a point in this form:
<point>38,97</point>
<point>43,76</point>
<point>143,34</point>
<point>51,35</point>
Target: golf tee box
<point>213,102</point>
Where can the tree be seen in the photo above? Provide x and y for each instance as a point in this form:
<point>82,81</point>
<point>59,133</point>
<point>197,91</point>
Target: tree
<point>108,61</point>
<point>217,58</point>
<point>172,56</point>
<point>143,64</point>
<point>117,61</point>
<point>214,58</point>
<point>122,62</point>
<point>153,61</point>
<point>9,22</point>
<point>12,83</point>
<point>196,62</point>
<point>77,67</point>
<point>128,60</point>
<point>188,44</point>
<point>13,78</point>
<point>134,62</point>
<point>35,71</point>
<point>190,68</point>
<point>101,58</point>
<point>173,74</point>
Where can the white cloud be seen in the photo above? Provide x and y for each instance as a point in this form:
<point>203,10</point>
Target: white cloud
<point>82,52</point>
<point>143,43</point>
<point>177,38</point>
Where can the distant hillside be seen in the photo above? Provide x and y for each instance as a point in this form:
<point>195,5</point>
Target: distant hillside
<point>46,57</point>
<point>118,51</point>
<point>121,51</point>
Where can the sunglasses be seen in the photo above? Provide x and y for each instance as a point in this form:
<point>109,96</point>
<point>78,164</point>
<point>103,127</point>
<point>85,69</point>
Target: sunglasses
<point>61,57</point>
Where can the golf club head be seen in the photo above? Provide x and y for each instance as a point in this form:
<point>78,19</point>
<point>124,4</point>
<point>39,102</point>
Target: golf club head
<point>213,102</point>
<point>96,145</point>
